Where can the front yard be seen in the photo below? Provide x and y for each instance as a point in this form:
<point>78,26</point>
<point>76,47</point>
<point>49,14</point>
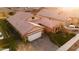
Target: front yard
<point>60,38</point>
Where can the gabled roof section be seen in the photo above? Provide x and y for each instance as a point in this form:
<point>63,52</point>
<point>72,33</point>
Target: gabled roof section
<point>18,21</point>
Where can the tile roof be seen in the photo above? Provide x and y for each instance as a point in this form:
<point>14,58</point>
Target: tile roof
<point>48,22</point>
<point>53,13</point>
<point>20,24</point>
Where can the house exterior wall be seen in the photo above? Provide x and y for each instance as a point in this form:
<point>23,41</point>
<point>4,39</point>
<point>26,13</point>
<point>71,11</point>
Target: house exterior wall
<point>34,36</point>
<point>48,29</point>
<point>54,29</point>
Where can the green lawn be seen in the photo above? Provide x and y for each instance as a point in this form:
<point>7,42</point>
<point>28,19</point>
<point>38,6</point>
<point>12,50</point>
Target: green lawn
<point>60,38</point>
<point>3,43</point>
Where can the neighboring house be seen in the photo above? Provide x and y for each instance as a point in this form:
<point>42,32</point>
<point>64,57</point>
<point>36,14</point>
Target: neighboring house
<point>73,21</point>
<point>26,29</point>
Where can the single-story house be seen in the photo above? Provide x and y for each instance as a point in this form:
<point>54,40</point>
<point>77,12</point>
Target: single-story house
<point>26,29</point>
